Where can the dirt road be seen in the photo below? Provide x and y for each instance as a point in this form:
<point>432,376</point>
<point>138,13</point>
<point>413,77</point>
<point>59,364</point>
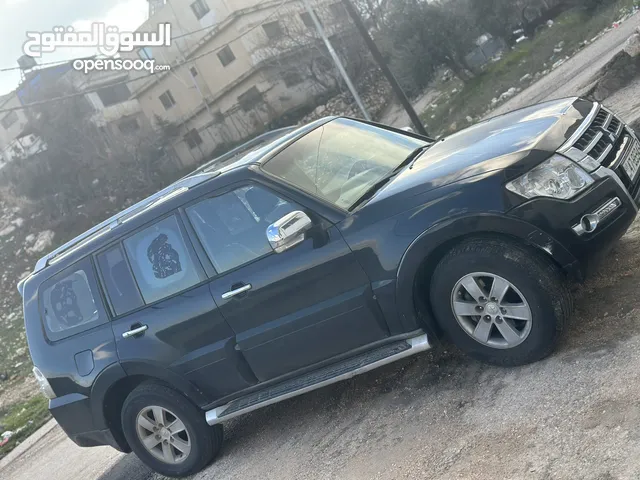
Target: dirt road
<point>440,415</point>
<point>574,76</point>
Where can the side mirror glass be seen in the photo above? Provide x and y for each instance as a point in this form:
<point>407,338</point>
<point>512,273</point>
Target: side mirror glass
<point>288,231</point>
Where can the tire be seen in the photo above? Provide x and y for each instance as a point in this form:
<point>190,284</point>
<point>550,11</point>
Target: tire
<point>202,441</point>
<point>537,289</point>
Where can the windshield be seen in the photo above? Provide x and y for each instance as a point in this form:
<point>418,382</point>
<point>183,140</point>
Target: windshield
<point>342,160</point>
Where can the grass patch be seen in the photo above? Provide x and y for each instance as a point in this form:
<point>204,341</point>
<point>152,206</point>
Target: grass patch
<point>474,99</point>
<point>23,419</point>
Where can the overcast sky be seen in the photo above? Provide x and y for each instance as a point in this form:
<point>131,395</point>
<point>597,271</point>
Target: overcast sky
<point>19,16</point>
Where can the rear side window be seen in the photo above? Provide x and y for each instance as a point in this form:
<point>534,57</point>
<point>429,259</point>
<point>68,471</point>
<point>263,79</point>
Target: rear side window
<point>118,280</point>
<point>70,302</point>
<point>162,261</point>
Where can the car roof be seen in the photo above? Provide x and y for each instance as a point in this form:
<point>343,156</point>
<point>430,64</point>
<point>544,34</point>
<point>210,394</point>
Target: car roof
<point>89,240</point>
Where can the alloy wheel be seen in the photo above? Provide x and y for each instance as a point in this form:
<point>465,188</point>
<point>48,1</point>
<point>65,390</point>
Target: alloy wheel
<point>491,310</point>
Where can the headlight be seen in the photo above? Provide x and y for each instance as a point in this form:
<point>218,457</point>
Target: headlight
<point>43,383</point>
<point>558,177</point>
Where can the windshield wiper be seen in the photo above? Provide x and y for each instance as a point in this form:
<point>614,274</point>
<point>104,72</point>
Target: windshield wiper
<point>413,156</point>
<point>410,160</point>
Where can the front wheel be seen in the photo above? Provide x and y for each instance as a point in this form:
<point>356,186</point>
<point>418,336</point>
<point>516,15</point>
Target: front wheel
<point>168,432</point>
<point>500,302</point>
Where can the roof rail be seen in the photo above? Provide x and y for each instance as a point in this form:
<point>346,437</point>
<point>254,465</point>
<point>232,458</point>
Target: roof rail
<point>133,211</point>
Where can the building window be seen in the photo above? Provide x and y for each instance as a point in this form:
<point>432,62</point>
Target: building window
<point>250,99</point>
<point>193,138</point>
<point>167,100</point>
<point>291,79</point>
<point>194,72</point>
<point>338,11</point>
<point>226,56</point>
<point>273,30</point>
<point>114,94</point>
<point>9,119</point>
<point>128,125</point>
<point>200,8</point>
<point>308,21</point>
<point>145,53</point>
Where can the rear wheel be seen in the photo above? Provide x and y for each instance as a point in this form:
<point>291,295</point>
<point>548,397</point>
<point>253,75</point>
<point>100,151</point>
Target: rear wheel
<point>167,432</point>
<point>500,302</point>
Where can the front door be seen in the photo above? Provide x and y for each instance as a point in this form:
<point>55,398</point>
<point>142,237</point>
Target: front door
<point>288,310</point>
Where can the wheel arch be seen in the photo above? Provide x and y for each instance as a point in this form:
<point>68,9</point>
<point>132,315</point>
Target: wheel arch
<point>423,255</point>
<point>117,381</point>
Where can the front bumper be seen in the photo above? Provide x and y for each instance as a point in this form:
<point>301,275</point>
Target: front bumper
<point>559,218</point>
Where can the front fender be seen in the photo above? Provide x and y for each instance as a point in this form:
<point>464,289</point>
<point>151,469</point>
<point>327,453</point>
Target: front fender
<point>426,251</point>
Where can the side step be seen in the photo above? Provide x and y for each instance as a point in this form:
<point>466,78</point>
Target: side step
<point>320,378</point>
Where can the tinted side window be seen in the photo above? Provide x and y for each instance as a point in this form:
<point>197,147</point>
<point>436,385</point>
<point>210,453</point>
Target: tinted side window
<point>232,227</point>
<point>161,261</point>
<point>118,281</point>
<point>71,302</point>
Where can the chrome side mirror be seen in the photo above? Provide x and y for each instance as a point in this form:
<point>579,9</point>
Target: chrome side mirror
<point>288,231</point>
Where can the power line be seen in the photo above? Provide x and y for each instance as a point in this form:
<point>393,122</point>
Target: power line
<point>186,34</point>
<point>131,80</point>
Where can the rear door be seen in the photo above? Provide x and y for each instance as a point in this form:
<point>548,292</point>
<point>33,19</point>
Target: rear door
<point>293,309</point>
<point>166,322</point>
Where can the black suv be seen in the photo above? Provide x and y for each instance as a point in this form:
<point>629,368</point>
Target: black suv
<point>329,251</point>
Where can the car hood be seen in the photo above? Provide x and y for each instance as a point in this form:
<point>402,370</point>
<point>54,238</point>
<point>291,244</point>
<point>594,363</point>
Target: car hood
<point>513,143</point>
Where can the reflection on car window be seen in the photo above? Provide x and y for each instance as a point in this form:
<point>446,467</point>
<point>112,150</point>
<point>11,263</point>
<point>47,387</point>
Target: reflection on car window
<point>119,282</point>
<point>232,227</point>
<point>70,303</point>
<point>161,262</point>
<point>342,160</point>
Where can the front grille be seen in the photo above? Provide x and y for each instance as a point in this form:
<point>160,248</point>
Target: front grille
<point>602,138</point>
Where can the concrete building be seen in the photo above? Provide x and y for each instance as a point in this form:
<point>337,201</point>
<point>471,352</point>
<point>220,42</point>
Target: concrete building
<point>16,140</point>
<point>231,75</point>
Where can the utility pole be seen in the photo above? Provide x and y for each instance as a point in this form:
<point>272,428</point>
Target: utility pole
<point>336,59</point>
<point>415,119</point>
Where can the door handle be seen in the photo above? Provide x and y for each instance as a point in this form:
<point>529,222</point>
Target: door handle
<point>135,331</point>
<point>237,291</point>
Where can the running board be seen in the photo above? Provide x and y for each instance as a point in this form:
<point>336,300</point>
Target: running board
<point>320,378</point>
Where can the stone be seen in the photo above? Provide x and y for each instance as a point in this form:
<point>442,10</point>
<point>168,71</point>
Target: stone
<point>30,238</point>
<point>18,222</point>
<point>632,45</point>
<point>526,77</point>
<point>558,63</point>
<point>43,240</point>
<point>95,182</point>
<point>550,23</point>
<point>557,50</point>
<point>7,230</point>
<point>508,94</point>
<point>21,351</point>
<point>469,119</point>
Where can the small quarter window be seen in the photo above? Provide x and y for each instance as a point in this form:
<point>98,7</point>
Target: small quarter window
<point>119,282</point>
<point>161,261</point>
<point>70,302</point>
